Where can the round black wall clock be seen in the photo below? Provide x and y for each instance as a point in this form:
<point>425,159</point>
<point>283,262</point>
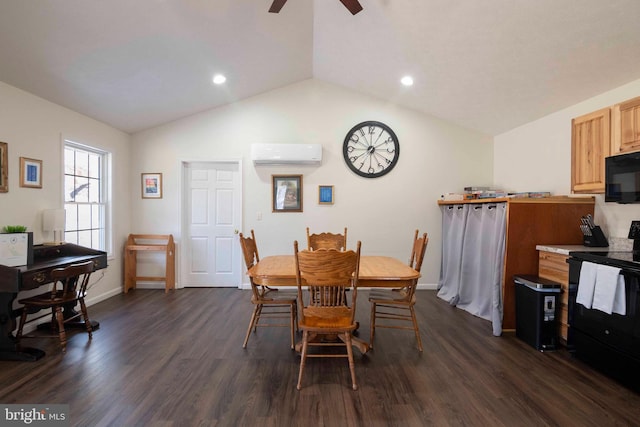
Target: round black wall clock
<point>371,149</point>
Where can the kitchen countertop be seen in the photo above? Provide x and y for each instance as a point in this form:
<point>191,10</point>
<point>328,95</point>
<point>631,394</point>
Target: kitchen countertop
<point>565,249</point>
<point>614,245</point>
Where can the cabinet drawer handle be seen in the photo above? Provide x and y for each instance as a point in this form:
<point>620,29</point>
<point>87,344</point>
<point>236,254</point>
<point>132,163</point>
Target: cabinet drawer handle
<point>39,277</point>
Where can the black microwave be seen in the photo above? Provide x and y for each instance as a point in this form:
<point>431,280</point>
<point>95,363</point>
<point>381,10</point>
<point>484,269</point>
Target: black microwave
<point>622,178</point>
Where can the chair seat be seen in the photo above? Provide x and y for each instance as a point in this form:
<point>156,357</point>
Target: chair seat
<point>47,299</point>
<point>275,299</point>
<point>338,319</point>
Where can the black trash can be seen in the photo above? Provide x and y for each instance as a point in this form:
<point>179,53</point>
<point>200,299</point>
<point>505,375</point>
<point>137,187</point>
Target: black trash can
<point>537,308</point>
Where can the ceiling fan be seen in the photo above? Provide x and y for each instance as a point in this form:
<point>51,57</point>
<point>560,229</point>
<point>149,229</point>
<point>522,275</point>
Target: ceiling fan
<point>353,6</point>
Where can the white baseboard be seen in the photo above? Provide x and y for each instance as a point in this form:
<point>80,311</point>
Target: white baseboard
<point>98,298</point>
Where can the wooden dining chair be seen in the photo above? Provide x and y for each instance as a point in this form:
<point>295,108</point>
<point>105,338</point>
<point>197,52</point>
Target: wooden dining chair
<point>396,306</point>
<point>68,289</point>
<point>322,277</point>
<point>267,303</point>
<point>327,241</point>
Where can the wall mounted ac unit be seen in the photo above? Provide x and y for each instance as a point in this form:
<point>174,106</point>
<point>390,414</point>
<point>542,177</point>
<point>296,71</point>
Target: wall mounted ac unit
<point>286,154</point>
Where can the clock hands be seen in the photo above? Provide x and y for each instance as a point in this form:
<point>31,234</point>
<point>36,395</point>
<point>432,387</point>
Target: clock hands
<point>370,153</point>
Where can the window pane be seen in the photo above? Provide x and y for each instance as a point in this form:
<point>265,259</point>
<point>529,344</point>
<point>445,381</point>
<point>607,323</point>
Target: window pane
<point>82,163</point>
<point>69,164</point>
<point>72,216</point>
<point>84,217</point>
<point>94,190</point>
<point>81,190</point>
<point>95,239</point>
<point>84,238</point>
<point>71,237</point>
<point>94,166</point>
<point>95,216</point>
<point>69,187</point>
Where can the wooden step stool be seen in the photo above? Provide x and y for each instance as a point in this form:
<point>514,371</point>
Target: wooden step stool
<point>138,242</point>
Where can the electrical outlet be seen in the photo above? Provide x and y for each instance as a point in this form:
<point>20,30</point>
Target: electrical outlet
<point>634,231</point>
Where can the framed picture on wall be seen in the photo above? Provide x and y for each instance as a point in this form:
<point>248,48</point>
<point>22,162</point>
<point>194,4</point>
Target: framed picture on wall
<point>287,193</point>
<point>152,186</point>
<point>325,194</point>
<point>30,173</point>
<point>4,168</point>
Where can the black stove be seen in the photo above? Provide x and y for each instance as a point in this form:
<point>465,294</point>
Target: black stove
<point>608,342</point>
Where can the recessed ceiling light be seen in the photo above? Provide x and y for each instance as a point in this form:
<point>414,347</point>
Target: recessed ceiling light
<point>407,80</point>
<point>219,79</point>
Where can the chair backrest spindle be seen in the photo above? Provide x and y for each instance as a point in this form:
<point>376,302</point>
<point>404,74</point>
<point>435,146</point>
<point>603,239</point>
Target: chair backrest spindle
<point>327,241</point>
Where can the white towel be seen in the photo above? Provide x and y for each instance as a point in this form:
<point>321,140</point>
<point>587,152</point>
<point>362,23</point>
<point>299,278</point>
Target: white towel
<point>605,290</point>
<point>586,284</point>
<point>620,301</point>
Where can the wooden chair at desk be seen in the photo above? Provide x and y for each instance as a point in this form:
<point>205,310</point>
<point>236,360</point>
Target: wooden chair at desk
<point>326,274</point>
<point>149,243</point>
<point>267,303</point>
<point>73,280</point>
<point>397,302</point>
<point>327,241</point>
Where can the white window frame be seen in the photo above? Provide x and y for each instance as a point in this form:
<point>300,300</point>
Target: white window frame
<point>105,189</point>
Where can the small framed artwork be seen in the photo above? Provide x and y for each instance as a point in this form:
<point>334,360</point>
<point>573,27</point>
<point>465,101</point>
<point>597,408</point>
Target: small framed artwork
<point>151,186</point>
<point>325,194</point>
<point>30,173</point>
<point>287,193</point>
<point>4,168</point>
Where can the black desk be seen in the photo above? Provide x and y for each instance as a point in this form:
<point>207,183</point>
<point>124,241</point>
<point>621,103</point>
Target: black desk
<point>16,279</point>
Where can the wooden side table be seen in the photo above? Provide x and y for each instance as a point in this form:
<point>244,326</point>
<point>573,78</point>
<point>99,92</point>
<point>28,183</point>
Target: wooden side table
<point>154,243</point>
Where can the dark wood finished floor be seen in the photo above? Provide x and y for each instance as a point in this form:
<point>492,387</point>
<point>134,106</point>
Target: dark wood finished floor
<point>177,360</point>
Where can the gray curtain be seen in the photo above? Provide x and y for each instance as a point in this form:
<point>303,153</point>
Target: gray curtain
<point>454,220</point>
<point>477,250</point>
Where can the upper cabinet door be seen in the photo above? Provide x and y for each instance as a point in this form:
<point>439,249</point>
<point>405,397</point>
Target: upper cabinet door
<point>626,126</point>
<point>590,144</point>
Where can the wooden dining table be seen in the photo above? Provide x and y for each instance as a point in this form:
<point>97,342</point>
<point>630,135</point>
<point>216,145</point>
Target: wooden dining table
<point>375,272</point>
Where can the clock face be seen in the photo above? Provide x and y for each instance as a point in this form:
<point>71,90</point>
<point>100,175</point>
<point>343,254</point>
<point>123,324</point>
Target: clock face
<point>371,149</point>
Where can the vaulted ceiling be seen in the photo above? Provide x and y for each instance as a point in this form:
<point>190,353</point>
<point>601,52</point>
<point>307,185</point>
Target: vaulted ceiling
<point>488,65</point>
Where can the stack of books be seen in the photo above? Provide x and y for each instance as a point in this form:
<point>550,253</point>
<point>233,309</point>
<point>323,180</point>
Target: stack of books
<point>483,193</point>
<point>531,194</point>
<point>477,192</point>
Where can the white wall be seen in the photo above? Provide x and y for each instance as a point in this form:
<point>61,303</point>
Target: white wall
<point>435,157</point>
<point>537,157</point>
<point>35,128</point>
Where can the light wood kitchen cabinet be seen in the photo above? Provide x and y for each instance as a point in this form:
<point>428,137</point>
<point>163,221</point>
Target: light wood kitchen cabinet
<point>626,127</point>
<point>590,144</point>
<point>553,266</point>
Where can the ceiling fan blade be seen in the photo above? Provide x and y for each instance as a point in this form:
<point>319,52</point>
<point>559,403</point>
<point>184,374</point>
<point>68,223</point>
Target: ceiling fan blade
<point>353,6</point>
<point>276,6</point>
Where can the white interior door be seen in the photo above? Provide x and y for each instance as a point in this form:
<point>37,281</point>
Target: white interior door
<point>212,213</point>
